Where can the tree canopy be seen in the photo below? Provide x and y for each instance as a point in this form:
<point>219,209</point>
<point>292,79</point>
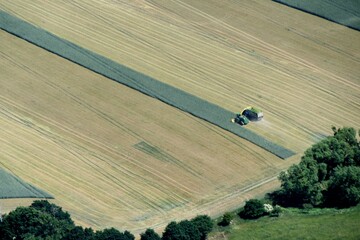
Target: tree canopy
<point>30,223</point>
<point>328,174</point>
<point>150,234</point>
<point>253,209</point>
<point>195,229</point>
<point>44,220</point>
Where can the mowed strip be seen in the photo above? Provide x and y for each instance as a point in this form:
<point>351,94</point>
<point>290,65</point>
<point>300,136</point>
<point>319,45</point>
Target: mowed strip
<point>303,71</point>
<point>112,156</point>
<point>13,187</point>
<point>346,13</point>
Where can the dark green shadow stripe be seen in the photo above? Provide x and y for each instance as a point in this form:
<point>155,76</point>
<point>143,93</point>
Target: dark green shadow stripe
<point>344,12</point>
<point>140,82</point>
<point>13,187</point>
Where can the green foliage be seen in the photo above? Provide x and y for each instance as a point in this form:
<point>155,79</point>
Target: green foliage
<point>327,169</point>
<point>226,219</point>
<point>150,234</point>
<point>253,209</point>
<point>184,230</point>
<point>191,232</point>
<point>316,224</point>
<point>113,234</point>
<point>344,187</point>
<point>300,184</point>
<point>276,211</point>
<point>54,210</point>
<point>27,223</point>
<point>79,232</point>
<point>173,232</point>
<point>204,224</point>
<point>44,220</point>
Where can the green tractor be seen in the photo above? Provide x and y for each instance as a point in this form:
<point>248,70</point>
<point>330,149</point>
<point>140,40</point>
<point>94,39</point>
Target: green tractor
<point>247,115</point>
<point>240,119</point>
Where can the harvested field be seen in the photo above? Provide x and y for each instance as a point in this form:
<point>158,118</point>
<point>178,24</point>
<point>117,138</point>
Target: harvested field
<point>301,70</point>
<point>164,92</point>
<point>112,156</point>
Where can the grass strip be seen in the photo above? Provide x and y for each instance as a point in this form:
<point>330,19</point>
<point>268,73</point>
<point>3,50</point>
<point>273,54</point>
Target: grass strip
<point>138,81</point>
<point>13,187</point>
<point>346,12</point>
<point>297,224</point>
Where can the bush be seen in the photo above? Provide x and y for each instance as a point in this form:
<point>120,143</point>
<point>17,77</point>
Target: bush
<point>276,211</point>
<point>113,234</point>
<point>253,209</point>
<point>204,224</point>
<point>226,219</point>
<point>149,234</point>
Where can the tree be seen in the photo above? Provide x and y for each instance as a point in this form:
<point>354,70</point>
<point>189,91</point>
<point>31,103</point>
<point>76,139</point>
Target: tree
<point>318,178</point>
<point>54,210</point>
<point>149,234</point>
<point>191,232</point>
<point>226,219</point>
<point>300,185</point>
<point>344,187</point>
<point>184,230</point>
<point>79,232</point>
<point>253,209</point>
<point>204,224</point>
<point>113,234</point>
<point>30,223</point>
<point>172,232</point>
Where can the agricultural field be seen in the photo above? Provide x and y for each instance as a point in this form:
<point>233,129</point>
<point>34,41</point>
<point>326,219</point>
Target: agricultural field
<point>174,97</point>
<point>112,156</point>
<point>301,70</point>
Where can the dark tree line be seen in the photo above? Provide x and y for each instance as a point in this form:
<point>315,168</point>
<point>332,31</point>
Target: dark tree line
<point>327,176</point>
<point>44,220</point>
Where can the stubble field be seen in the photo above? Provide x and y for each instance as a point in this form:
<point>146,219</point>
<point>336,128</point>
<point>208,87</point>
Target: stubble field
<point>114,157</point>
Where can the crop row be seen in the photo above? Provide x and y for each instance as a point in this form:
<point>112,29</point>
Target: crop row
<point>140,82</point>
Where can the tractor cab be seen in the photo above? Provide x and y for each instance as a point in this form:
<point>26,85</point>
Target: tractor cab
<point>240,119</point>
